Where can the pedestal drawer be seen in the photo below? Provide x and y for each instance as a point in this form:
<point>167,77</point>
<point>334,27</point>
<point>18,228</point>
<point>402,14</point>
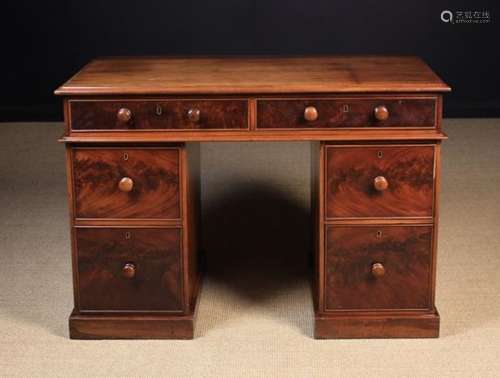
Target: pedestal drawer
<point>378,267</point>
<point>129,269</point>
<point>379,181</point>
<point>126,183</point>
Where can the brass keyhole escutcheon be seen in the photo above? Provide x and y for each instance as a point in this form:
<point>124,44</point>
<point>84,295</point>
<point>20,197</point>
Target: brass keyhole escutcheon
<point>159,110</point>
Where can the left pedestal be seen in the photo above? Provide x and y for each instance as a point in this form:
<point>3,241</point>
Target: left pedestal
<point>134,213</point>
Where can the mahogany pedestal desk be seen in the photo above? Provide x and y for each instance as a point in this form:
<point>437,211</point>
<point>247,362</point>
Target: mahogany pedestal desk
<point>132,133</point>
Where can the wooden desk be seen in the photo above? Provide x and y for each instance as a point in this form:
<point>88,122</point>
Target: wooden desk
<point>133,185</point>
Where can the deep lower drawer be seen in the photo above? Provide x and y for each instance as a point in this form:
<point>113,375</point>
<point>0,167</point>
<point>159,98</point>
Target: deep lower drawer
<point>126,182</point>
<point>132,269</point>
<point>378,267</point>
<point>379,181</point>
<point>346,112</point>
<point>158,114</point>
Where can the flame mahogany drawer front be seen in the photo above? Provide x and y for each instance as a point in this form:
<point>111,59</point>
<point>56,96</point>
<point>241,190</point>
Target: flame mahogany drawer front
<point>126,182</point>
<point>379,181</point>
<point>158,114</point>
<point>378,267</point>
<point>346,112</point>
<point>127,269</point>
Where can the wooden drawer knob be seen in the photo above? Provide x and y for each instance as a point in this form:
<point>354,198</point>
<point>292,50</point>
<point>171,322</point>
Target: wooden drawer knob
<point>126,184</point>
<point>128,270</point>
<point>310,114</point>
<point>194,114</point>
<point>124,115</point>
<point>380,183</point>
<point>381,113</point>
<point>378,270</point>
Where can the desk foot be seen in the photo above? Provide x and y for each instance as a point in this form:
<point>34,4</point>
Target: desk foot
<point>359,325</point>
<point>131,326</point>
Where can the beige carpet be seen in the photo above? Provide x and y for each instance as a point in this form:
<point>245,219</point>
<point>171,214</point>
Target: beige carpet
<point>257,320</point>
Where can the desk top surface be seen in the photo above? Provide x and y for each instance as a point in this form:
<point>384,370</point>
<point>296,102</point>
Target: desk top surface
<point>253,75</point>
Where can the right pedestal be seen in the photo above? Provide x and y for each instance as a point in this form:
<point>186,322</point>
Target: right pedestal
<point>376,218</point>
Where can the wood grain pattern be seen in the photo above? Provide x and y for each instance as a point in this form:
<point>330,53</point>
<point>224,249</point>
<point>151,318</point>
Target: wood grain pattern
<point>155,253</point>
<point>338,112</point>
<point>159,114</point>
<point>350,190</point>
<point>238,75</point>
<point>405,252</point>
<point>154,171</point>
